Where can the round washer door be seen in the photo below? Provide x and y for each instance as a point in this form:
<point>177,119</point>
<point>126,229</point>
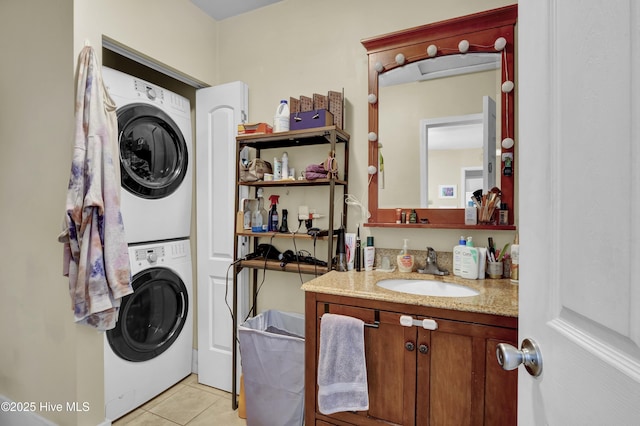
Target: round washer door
<point>152,317</point>
<point>153,151</point>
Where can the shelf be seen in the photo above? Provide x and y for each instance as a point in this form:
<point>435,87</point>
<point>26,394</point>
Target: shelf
<point>304,137</point>
<point>274,183</point>
<point>247,233</point>
<point>274,265</point>
<point>441,226</point>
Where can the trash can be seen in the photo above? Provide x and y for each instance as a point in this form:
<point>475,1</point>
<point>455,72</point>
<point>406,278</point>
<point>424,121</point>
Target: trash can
<point>272,352</point>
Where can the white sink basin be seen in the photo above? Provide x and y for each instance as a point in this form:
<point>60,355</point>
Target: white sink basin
<point>427,288</point>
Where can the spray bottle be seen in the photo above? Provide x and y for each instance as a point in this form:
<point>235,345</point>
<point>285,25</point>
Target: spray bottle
<point>273,213</point>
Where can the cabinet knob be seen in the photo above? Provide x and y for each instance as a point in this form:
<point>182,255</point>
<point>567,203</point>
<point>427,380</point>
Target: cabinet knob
<point>410,346</point>
<point>423,349</point>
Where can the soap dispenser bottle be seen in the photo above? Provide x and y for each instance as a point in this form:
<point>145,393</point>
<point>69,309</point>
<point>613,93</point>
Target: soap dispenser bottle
<point>404,259</point>
<point>457,255</point>
<point>470,258</point>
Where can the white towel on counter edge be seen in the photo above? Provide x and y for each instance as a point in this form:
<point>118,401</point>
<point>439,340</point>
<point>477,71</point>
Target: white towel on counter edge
<point>342,369</point>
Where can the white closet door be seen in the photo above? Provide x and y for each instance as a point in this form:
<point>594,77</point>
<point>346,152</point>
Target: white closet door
<point>219,110</point>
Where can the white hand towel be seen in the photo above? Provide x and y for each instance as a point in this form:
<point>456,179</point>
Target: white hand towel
<point>342,369</point>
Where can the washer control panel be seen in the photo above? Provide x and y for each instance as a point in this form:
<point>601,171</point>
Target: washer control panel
<point>151,254</point>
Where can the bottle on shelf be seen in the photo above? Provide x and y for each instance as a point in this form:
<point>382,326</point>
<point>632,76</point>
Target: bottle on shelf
<point>259,221</point>
<point>284,226</point>
<point>281,119</point>
<point>285,166</point>
<point>273,213</point>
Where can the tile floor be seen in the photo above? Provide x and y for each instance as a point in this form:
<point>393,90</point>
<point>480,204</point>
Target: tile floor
<point>186,403</point>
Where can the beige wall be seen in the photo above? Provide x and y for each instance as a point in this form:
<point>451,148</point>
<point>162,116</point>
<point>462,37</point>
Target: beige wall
<point>291,48</point>
<point>298,47</point>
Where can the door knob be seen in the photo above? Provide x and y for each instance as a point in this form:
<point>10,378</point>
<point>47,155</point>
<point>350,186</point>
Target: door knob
<point>529,354</point>
<point>410,346</point>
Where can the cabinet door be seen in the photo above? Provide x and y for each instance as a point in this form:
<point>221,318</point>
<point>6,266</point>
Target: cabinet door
<point>459,381</point>
<point>391,368</point>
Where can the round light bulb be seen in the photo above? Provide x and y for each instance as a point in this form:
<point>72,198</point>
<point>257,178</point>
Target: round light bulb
<point>399,59</point>
<point>378,66</point>
<point>372,170</point>
<point>463,46</point>
<point>373,137</point>
<point>500,43</point>
<point>507,86</point>
<point>507,143</point>
<point>432,50</point>
<point>372,98</point>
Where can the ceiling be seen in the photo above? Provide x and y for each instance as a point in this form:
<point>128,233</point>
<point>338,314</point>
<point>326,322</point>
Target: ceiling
<point>222,9</point>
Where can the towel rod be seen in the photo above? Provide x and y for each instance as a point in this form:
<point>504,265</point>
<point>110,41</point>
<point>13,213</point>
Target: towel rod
<point>376,315</point>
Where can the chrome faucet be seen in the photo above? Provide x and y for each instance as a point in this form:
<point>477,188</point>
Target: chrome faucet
<point>431,266</point>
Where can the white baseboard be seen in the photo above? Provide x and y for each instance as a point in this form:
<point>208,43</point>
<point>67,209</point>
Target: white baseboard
<point>194,361</point>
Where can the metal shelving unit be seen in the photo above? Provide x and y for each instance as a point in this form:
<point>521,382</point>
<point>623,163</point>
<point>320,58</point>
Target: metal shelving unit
<point>330,135</point>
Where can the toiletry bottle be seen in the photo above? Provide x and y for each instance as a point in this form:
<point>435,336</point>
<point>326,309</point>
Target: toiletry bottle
<point>264,216</point>
<point>358,253</point>
<point>273,213</point>
<point>398,215</point>
<point>284,226</point>
<point>404,259</point>
<point>503,219</point>
<point>369,254</point>
<point>277,169</point>
<point>259,215</point>
<point>341,255</point>
<point>482,262</point>
<point>281,119</point>
<point>285,166</point>
<point>248,213</point>
<point>413,216</point>
<point>469,265</point>
<point>457,256</point>
<point>350,248</point>
<point>256,219</point>
<point>515,259</point>
<point>470,214</point>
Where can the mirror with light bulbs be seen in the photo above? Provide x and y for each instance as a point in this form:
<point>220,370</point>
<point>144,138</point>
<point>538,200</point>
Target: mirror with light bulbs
<point>402,115</point>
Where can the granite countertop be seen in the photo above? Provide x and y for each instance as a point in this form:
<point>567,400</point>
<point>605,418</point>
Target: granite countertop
<point>497,297</point>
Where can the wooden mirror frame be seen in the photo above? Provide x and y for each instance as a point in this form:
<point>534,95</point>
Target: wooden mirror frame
<point>481,30</point>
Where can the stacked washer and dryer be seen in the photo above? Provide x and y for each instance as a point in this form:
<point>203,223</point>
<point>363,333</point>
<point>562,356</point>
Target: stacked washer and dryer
<point>150,349</point>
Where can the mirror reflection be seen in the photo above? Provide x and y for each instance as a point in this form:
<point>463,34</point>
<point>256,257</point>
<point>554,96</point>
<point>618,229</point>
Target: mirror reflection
<point>437,124</point>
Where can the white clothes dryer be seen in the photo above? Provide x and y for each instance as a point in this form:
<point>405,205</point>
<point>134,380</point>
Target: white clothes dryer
<point>154,136</point>
<point>150,349</point>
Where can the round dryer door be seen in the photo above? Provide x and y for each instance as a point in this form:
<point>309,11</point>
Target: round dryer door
<point>153,151</point>
<point>152,317</point>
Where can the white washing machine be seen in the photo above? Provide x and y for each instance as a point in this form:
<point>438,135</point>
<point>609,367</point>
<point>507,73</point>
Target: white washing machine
<point>150,349</point>
<point>154,135</point>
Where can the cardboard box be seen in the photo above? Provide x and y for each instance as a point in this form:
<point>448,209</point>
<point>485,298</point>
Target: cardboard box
<point>310,119</point>
<point>257,128</point>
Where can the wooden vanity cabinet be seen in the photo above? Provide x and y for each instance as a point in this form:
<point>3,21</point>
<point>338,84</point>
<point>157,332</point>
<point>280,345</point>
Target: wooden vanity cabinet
<point>416,376</point>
